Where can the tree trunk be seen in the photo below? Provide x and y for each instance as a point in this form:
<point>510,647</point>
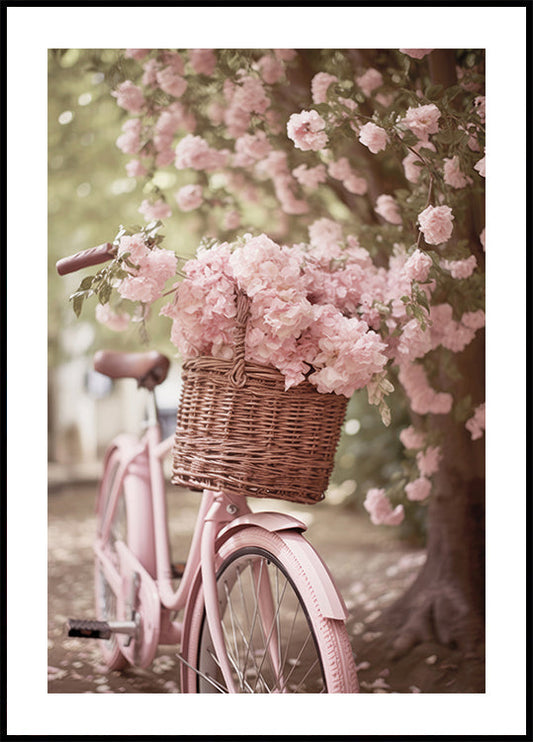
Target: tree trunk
<point>446,602</point>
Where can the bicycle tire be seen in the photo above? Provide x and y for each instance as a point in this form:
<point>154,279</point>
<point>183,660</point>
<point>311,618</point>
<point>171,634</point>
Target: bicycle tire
<point>313,651</point>
<point>132,518</point>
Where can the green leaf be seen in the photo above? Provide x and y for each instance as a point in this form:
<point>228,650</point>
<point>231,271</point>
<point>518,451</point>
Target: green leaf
<point>77,303</point>
<point>86,283</point>
<point>434,92</point>
<point>104,294</point>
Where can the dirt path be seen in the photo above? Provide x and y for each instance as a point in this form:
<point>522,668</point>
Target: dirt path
<point>370,567</point>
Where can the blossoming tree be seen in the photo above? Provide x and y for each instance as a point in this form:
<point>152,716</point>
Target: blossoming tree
<point>343,191</point>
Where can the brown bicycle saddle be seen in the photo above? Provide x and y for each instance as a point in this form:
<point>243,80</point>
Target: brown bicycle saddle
<point>149,368</point>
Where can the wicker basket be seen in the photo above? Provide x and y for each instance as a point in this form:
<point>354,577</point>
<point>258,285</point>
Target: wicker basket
<point>240,431</point>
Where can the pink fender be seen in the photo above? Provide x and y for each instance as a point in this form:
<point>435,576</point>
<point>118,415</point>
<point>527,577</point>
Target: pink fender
<point>290,530</point>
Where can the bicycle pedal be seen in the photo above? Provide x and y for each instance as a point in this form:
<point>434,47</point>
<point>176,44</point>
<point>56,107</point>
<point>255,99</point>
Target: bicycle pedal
<point>88,629</point>
<point>178,568</point>
<point>91,629</point>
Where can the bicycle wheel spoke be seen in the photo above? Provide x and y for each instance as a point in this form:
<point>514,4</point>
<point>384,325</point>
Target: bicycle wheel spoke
<point>233,660</point>
<point>296,660</point>
<point>246,639</point>
<point>289,640</point>
<point>254,618</point>
<point>274,623</point>
<point>232,619</point>
<point>201,674</point>
<point>215,659</point>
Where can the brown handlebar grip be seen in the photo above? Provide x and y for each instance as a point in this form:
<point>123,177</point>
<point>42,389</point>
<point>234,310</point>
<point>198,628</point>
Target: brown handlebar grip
<point>85,258</point>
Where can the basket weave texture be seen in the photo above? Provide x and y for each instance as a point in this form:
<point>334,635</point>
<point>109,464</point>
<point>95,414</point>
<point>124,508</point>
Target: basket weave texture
<point>238,430</point>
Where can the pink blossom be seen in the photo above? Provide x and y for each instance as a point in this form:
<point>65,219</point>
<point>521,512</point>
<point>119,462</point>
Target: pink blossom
<point>283,314</point>
<point>355,184</point>
<point>135,169</point>
<point>325,233</point>
<point>149,77</point>
<point>167,124</point>
<point>474,320</point>
<point>189,197</point>
<point>237,120</point>
<point>460,268</point>
<point>350,354</point>
<point>203,310</point>
<point>171,82</point>
<point>412,438</point>
<point>380,509</point>
<point>416,53</point>
<point>203,61</point>
<point>479,104</point>
<point>184,116</point>
<point>373,137</point>
<point>476,424</point>
<point>261,264</point>
<point>341,170</point>
<point>250,96</point>
<point>306,129</point>
<point>480,167</point>
<point>129,141</point>
<point>411,169</point>
<point>274,121</point>
<point>106,316</point>
<point>157,210</point>
<point>418,490</point>
<point>271,69</point>
<point>387,207</point>
<point>422,120</point>
<point>147,281</point>
<point>413,343</point>
<point>136,53</point>
<point>129,96</point>
<point>285,187</point>
<point>453,175</point>
<point>423,398</point>
<point>448,332</point>
<point>287,55</point>
<point>436,224</point>
<point>215,112</point>
<point>428,460</point>
<point>349,104</point>
<point>250,148</point>
<point>482,237</point>
<point>473,143</point>
<point>173,60</point>
<point>319,86</point>
<point>417,266</point>
<point>134,245</point>
<point>194,152</point>
<point>369,81</point>
<point>165,157</point>
<point>310,177</point>
<point>274,164</point>
<point>232,219</point>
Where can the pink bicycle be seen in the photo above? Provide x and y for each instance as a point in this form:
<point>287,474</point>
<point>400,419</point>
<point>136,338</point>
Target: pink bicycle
<point>254,609</point>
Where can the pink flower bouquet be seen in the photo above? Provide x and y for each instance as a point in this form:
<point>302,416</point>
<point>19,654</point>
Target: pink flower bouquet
<point>298,321</point>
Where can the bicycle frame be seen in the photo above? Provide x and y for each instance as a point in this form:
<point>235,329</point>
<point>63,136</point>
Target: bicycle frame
<point>141,460</point>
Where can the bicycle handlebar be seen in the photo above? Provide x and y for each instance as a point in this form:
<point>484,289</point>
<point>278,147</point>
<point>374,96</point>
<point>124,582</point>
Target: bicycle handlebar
<point>85,258</point>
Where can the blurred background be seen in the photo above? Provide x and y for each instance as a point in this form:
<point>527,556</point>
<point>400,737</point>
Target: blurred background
<point>89,197</point>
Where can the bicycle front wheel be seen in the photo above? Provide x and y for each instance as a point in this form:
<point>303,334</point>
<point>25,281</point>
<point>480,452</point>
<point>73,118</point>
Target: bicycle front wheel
<point>276,637</point>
